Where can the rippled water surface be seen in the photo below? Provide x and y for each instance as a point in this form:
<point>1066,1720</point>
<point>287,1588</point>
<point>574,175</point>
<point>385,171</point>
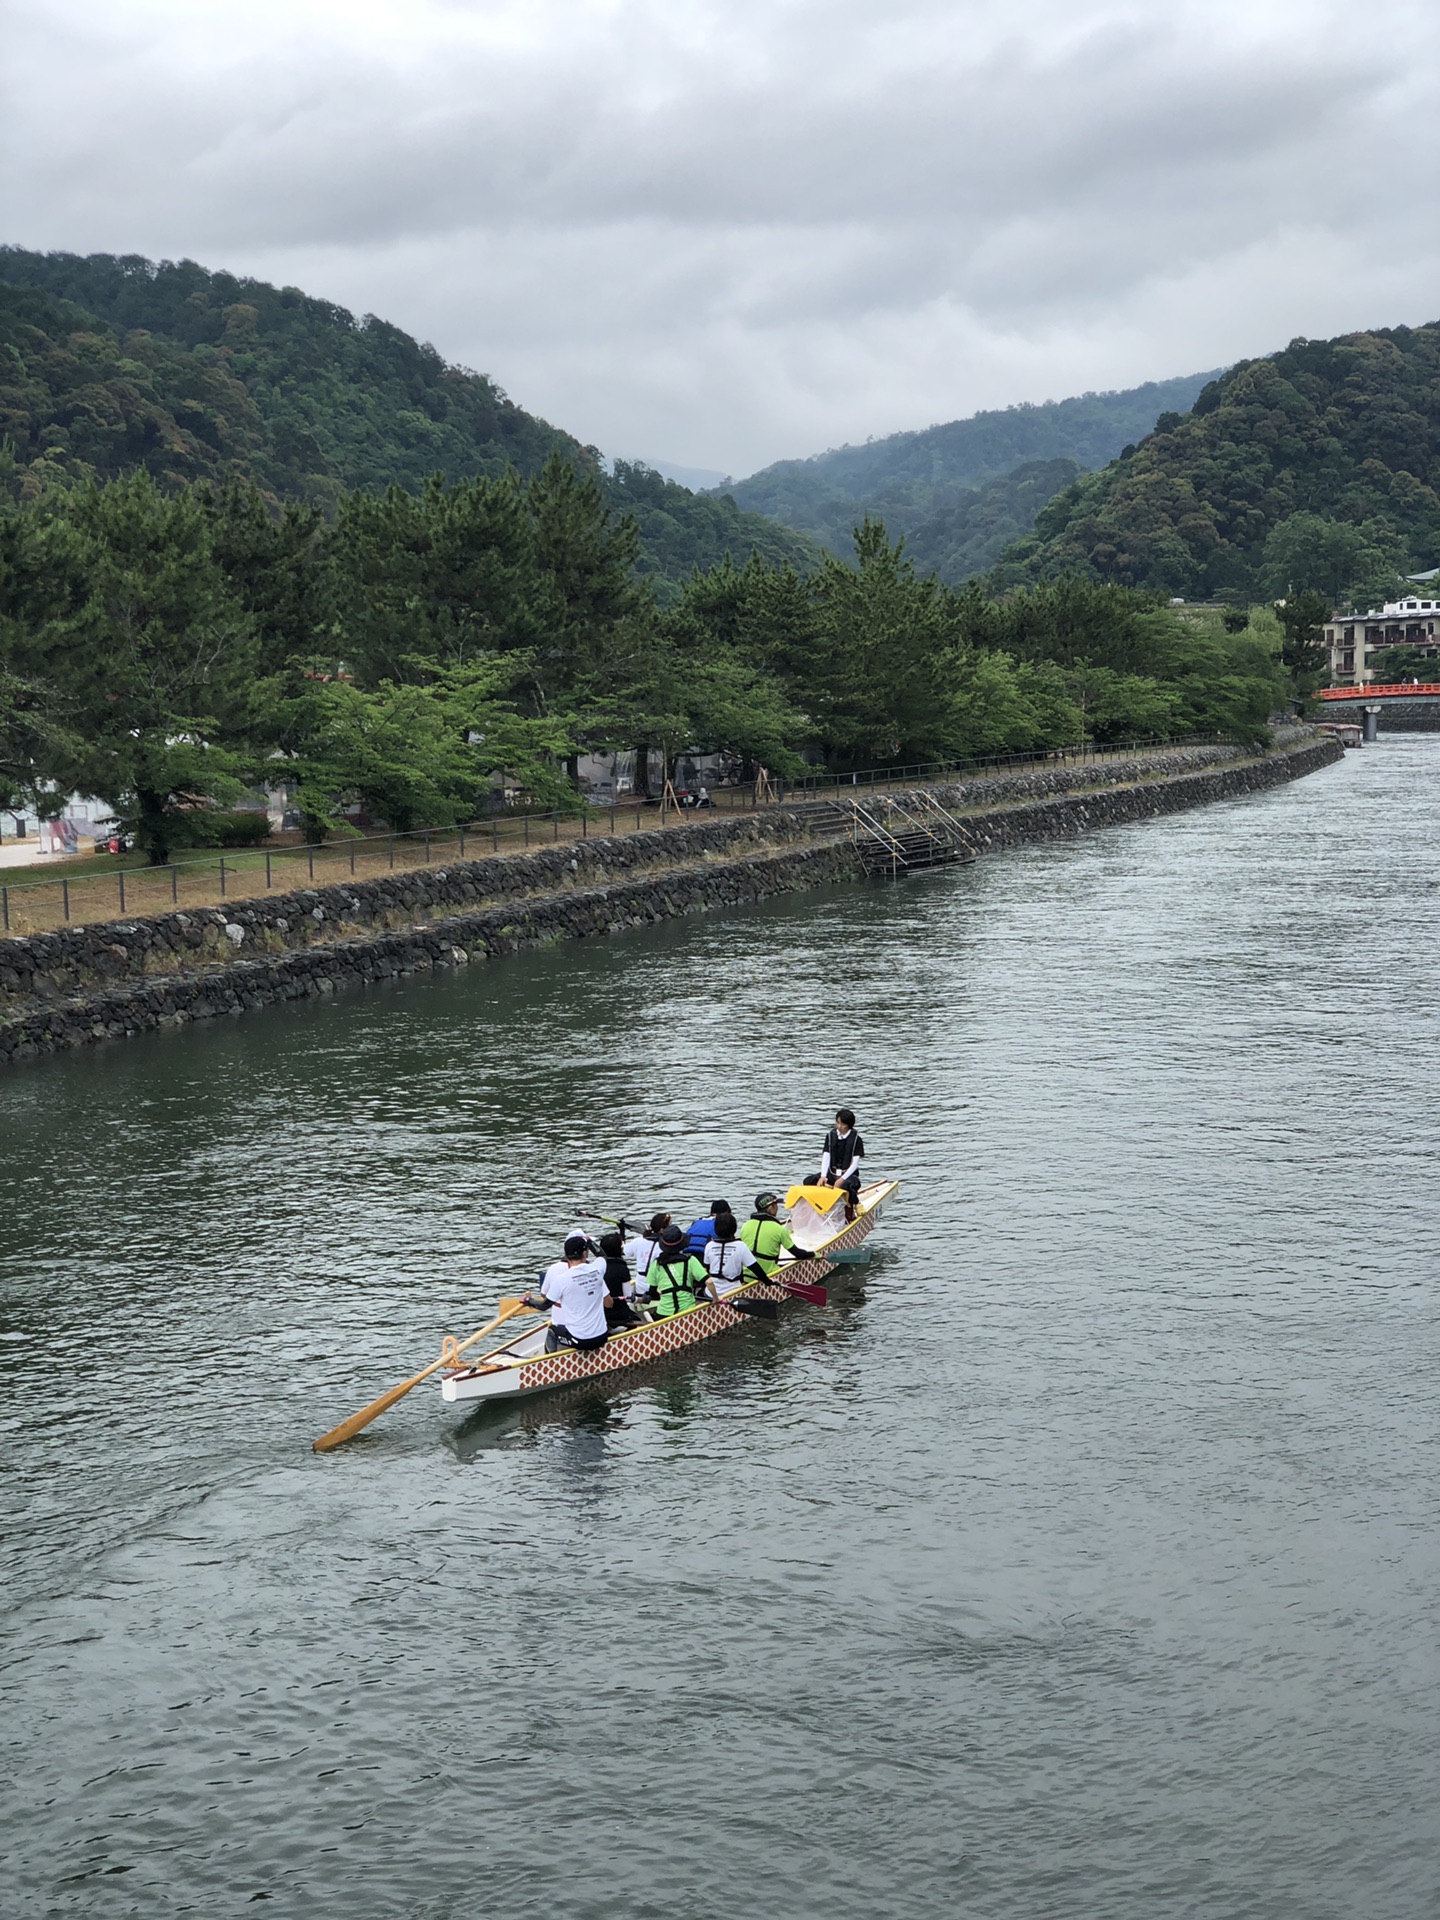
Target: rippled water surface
<point>1078,1560</point>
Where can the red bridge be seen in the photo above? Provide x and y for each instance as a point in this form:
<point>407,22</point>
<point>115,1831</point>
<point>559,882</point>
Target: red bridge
<point>1409,705</point>
<point>1406,689</point>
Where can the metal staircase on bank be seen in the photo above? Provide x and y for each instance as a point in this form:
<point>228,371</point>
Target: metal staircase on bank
<point>895,836</point>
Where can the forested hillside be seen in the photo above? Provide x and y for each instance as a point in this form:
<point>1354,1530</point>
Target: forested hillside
<point>969,535</point>
<point>1313,469</point>
<point>924,485</point>
<point>110,364</point>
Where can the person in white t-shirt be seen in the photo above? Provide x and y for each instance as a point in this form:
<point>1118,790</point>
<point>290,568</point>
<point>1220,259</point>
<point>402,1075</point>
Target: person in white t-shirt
<point>642,1249</point>
<point>574,1291</point>
<point>726,1257</point>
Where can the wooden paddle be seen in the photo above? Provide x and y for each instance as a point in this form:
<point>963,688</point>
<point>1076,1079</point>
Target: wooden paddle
<point>348,1429</point>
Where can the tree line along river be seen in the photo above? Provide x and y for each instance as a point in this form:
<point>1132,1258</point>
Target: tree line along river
<point>1078,1559</point>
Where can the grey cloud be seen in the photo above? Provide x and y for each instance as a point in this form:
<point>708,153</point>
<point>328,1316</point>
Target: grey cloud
<point>619,213</point>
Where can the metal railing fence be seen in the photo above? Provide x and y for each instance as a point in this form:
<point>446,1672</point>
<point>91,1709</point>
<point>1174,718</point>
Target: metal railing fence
<point>911,773</point>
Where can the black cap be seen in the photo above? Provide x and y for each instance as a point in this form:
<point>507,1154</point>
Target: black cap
<point>763,1201</point>
<point>576,1244</point>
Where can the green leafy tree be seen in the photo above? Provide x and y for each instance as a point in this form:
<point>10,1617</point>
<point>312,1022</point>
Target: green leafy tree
<point>119,603</point>
<point>1200,678</point>
<point>1122,706</point>
<point>1303,653</point>
<point>277,564</point>
<point>1346,564</point>
<point>725,700</point>
<point>1405,663</point>
<point>33,739</point>
<point>875,687</point>
<point>415,755</point>
<point>602,663</point>
<point>439,579</point>
<point>999,705</point>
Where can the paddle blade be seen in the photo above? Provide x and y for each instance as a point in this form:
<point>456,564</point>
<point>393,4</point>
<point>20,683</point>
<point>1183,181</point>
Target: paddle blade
<point>357,1422</point>
<point>760,1309</point>
<point>348,1429</point>
<point>804,1290</point>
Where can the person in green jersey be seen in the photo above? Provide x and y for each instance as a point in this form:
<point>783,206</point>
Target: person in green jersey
<point>767,1236</point>
<point>676,1278</point>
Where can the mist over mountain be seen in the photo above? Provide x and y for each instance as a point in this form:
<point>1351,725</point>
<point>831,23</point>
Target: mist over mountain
<point>927,484</point>
<point>698,479</point>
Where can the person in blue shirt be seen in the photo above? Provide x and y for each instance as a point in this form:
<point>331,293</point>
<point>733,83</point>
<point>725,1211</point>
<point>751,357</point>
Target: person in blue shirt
<point>702,1231</point>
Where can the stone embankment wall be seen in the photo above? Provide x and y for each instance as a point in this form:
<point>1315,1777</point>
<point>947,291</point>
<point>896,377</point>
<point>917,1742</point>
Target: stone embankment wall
<point>83,984</point>
<point>1414,716</point>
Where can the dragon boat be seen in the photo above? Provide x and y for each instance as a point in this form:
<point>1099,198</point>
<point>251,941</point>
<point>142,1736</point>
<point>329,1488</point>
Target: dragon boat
<point>522,1366</point>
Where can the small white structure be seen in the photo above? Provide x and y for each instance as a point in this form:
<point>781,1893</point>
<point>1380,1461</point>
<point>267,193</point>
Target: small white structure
<point>26,837</point>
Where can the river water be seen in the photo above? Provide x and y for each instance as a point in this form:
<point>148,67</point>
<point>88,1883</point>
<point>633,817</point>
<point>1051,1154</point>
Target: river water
<point>1079,1559</point>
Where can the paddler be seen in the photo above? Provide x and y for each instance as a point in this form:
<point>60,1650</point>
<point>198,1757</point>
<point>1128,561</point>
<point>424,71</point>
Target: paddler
<point>703,1230</point>
<point>642,1248</point>
<point>840,1159</point>
<point>574,1290</point>
<point>676,1277</point>
<point>768,1237</point>
<point>618,1284</point>
<point>726,1256</point>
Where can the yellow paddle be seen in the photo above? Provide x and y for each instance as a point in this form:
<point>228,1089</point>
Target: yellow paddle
<point>348,1429</point>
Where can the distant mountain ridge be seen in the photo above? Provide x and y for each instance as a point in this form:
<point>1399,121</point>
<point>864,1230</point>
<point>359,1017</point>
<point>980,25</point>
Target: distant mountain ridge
<point>1317,467</point>
<point>109,362</point>
<point>925,484</point>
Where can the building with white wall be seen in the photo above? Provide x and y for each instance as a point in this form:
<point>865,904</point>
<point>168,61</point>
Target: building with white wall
<point>1355,638</point>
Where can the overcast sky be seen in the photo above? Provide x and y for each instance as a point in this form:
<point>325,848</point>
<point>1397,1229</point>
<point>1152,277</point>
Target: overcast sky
<point>722,232</point>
